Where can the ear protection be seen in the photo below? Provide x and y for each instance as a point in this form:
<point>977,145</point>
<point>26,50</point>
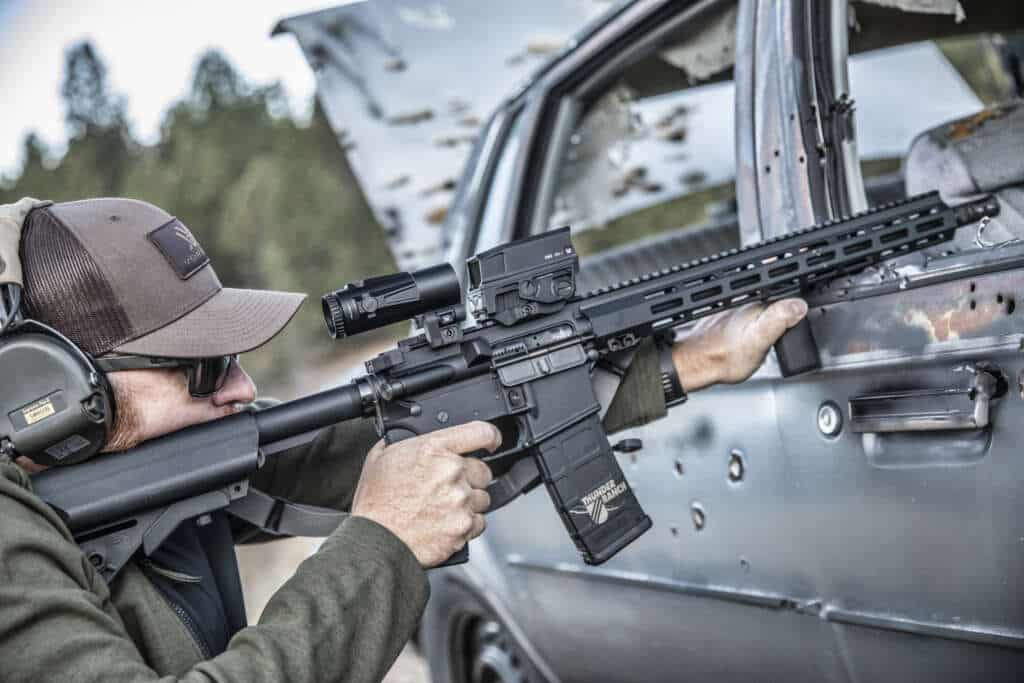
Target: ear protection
<point>56,408</point>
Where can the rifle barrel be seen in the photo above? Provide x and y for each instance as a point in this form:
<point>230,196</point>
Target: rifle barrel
<point>310,412</point>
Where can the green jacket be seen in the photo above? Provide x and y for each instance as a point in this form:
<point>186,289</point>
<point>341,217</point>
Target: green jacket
<point>343,616</point>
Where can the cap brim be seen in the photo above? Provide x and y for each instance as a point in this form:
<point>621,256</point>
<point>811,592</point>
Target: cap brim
<point>231,321</point>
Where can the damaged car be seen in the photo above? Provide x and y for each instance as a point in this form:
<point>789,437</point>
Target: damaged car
<point>863,522</point>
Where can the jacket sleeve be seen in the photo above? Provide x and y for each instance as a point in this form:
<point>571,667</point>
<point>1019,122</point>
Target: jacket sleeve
<point>639,398</point>
<point>343,616</point>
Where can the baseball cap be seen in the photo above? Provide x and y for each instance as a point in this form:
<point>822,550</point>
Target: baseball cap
<point>121,275</point>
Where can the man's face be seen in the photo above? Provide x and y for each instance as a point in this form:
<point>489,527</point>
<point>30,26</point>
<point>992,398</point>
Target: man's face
<point>151,403</point>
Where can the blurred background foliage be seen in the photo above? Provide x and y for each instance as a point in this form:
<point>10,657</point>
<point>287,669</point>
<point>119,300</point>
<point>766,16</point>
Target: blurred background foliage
<point>273,202</point>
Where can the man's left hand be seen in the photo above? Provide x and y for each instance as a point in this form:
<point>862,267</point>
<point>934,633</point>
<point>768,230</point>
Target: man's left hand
<point>730,346</point>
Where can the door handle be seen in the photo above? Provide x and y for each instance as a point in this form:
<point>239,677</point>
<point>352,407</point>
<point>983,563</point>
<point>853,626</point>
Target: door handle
<point>956,407</point>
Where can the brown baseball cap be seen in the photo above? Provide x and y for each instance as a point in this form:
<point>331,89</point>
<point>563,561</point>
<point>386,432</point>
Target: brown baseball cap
<point>124,276</point>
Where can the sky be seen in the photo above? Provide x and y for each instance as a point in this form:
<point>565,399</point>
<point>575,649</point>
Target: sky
<point>149,47</point>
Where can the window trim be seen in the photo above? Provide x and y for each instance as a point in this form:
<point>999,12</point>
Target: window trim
<point>779,194</point>
<point>565,98</point>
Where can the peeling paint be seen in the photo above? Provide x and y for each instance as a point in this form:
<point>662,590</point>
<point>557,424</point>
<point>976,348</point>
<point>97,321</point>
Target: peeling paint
<point>433,17</point>
<point>447,185</point>
<point>454,140</point>
<point>437,216</point>
<point>965,128</point>
<point>411,117</point>
<point>400,181</point>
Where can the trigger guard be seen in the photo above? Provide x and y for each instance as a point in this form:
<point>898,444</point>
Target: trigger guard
<point>521,478</point>
<point>398,434</point>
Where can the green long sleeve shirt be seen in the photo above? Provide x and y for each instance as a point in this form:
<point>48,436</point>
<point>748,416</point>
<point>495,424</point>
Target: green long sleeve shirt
<point>343,616</point>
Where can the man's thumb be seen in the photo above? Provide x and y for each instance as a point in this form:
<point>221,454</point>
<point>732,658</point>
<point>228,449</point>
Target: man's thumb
<point>779,317</point>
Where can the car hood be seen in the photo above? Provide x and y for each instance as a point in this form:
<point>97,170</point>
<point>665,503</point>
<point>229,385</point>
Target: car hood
<point>406,86</point>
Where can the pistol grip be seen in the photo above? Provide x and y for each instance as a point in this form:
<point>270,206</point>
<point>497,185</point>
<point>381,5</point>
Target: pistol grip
<point>797,351</point>
<point>460,557</point>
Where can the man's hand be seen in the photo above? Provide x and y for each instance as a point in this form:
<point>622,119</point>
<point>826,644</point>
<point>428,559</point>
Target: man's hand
<point>730,346</point>
<point>425,492</point>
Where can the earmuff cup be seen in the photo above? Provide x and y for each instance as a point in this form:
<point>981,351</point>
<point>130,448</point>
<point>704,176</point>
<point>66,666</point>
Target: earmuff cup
<point>56,408</point>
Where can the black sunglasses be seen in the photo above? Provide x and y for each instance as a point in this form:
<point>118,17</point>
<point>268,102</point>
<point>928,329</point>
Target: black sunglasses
<point>206,376</point>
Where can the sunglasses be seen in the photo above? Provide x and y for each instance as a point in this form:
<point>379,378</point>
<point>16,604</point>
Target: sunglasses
<point>206,376</point>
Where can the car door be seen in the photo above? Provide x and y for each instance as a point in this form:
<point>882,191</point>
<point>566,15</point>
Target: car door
<point>804,527</point>
<point>893,516</point>
<point>644,175</point>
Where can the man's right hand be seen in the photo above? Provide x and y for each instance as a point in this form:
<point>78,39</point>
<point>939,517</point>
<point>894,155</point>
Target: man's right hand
<point>425,492</point>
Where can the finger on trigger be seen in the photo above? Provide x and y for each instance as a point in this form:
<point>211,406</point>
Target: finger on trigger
<point>479,500</point>
<point>478,473</point>
<point>469,437</point>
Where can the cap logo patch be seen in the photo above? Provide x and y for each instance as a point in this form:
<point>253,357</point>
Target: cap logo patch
<point>180,248</point>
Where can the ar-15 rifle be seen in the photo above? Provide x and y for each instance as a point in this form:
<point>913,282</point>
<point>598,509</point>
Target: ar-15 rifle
<point>525,366</point>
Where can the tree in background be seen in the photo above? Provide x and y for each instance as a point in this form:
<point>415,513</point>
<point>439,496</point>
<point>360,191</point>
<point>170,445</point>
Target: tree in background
<point>98,136</point>
<point>274,203</point>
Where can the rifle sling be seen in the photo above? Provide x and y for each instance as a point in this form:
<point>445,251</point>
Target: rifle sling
<point>284,518</point>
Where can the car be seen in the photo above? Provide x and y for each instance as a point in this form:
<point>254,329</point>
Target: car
<point>862,522</point>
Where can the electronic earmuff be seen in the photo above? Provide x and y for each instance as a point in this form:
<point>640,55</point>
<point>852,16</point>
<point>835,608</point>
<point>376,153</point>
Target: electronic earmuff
<point>56,407</point>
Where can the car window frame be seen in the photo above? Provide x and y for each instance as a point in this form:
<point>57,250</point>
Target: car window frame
<point>558,108</point>
<point>781,128</point>
<point>570,95</point>
<point>475,188</point>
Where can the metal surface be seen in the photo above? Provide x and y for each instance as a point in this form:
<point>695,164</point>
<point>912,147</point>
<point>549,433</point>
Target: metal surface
<point>394,81</point>
<point>957,407</point>
<point>827,555</point>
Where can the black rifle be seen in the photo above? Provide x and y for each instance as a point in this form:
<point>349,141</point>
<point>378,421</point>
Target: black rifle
<point>525,365</point>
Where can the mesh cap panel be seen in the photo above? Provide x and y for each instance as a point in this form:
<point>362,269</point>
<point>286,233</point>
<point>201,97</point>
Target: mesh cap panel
<point>64,287</point>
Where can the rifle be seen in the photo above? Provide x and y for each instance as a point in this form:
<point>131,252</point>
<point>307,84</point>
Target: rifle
<point>525,365</point>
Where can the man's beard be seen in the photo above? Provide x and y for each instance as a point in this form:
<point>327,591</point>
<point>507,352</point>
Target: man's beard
<point>126,432</point>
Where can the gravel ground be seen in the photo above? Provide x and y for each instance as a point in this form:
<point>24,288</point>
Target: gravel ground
<point>265,567</point>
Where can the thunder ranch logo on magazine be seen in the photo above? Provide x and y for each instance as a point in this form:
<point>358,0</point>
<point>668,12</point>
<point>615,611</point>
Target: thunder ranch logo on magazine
<point>596,502</point>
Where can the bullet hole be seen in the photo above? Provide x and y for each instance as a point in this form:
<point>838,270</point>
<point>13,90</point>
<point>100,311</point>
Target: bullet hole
<point>678,465</point>
<point>1011,306</point>
<point>999,298</point>
<point>736,466</point>
<point>973,287</point>
<point>674,530</point>
<point>974,304</point>
<point>776,152</point>
<point>802,159</point>
<point>697,515</point>
<point>744,564</point>
<point>767,169</point>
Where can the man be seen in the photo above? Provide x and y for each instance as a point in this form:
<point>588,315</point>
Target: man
<point>123,277</point>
